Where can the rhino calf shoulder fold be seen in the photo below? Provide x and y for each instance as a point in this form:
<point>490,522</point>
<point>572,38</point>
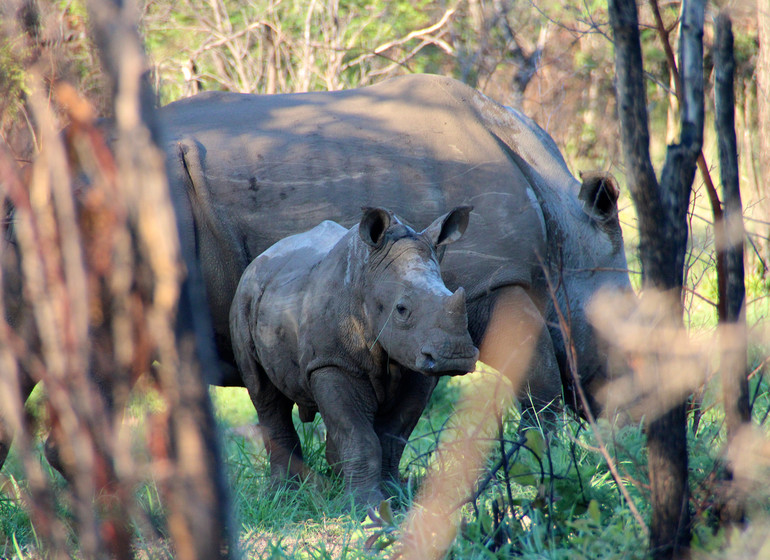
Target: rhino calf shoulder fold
<point>357,325</point>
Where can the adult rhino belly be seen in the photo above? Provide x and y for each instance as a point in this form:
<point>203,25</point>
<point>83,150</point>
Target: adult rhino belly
<point>277,165</point>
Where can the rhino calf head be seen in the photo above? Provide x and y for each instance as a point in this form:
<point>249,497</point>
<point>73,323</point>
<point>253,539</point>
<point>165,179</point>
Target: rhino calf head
<point>418,321</point>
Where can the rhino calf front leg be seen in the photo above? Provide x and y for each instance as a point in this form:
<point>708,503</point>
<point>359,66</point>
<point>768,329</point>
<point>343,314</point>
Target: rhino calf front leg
<point>348,406</point>
<point>395,425</point>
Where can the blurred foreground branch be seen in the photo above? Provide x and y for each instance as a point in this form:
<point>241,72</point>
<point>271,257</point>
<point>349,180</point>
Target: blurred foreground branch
<point>92,246</point>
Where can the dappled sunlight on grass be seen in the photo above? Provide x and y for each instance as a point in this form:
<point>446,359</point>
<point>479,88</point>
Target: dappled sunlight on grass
<point>233,406</point>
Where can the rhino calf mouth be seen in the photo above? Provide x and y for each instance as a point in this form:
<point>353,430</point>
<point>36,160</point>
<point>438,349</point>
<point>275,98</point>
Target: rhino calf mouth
<point>431,363</point>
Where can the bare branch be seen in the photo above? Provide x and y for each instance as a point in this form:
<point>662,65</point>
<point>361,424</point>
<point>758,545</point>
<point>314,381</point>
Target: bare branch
<point>423,34</point>
<point>417,33</point>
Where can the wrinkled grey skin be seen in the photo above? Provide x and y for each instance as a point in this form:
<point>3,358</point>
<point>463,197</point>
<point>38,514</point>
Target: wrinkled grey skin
<point>259,168</point>
<point>355,324</point>
<point>246,171</point>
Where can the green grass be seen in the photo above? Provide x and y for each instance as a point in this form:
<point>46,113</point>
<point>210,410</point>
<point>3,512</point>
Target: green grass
<point>556,499</point>
<point>14,520</point>
<point>565,503</point>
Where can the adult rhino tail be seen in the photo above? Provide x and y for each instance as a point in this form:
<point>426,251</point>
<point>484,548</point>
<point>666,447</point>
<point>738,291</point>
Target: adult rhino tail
<point>192,174</point>
<point>206,232</point>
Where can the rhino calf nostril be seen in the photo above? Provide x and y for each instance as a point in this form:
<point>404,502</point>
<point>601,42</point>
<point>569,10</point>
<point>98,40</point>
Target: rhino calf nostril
<point>429,360</point>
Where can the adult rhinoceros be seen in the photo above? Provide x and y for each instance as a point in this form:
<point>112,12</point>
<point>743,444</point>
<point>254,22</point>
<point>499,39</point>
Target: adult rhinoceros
<point>259,168</point>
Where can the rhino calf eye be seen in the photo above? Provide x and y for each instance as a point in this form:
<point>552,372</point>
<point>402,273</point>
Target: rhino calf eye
<point>401,309</point>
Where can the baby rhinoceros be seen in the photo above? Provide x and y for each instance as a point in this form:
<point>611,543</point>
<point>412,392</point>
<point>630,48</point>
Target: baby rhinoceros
<point>357,325</point>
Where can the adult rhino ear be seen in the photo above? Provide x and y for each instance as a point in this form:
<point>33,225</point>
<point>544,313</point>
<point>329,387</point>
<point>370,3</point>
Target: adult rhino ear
<point>450,227</point>
<point>599,195</point>
<point>374,223</point>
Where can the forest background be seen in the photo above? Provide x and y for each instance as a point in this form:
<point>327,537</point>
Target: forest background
<point>554,61</point>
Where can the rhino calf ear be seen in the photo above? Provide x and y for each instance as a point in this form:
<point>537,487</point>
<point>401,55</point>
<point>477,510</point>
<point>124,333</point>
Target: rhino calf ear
<point>373,225</point>
<point>599,195</point>
<point>450,227</point>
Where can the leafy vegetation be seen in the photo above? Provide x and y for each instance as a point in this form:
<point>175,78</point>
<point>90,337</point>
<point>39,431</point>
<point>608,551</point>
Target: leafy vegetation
<point>553,498</point>
<point>548,492</point>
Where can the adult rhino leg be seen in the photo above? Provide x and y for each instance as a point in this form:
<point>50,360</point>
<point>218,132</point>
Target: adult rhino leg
<point>348,406</point>
<point>395,424</point>
<point>516,342</point>
<point>216,246</point>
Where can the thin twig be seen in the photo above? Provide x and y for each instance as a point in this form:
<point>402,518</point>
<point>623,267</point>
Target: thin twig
<point>421,33</point>
<point>417,33</point>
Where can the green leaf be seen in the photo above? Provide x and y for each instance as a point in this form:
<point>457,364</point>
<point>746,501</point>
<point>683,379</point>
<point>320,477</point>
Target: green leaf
<point>535,441</point>
<point>522,473</point>
<point>593,511</point>
<point>386,513</point>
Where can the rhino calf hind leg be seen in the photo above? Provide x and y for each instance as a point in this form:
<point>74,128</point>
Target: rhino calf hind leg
<point>273,407</point>
<point>517,343</point>
<point>281,440</point>
<point>274,414</point>
<point>347,406</point>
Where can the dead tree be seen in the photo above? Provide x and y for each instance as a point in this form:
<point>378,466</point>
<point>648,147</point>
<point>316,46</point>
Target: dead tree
<point>662,212</point>
<point>763,120</point>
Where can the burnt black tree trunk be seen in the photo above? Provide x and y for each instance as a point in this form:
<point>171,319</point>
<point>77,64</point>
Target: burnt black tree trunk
<point>733,365</point>
<point>662,212</point>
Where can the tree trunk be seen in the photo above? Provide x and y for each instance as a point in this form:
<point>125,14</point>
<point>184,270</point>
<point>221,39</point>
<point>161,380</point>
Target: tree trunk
<point>662,213</point>
<point>733,365</point>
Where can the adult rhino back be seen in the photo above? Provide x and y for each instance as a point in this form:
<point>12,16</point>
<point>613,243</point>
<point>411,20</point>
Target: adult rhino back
<point>260,168</point>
